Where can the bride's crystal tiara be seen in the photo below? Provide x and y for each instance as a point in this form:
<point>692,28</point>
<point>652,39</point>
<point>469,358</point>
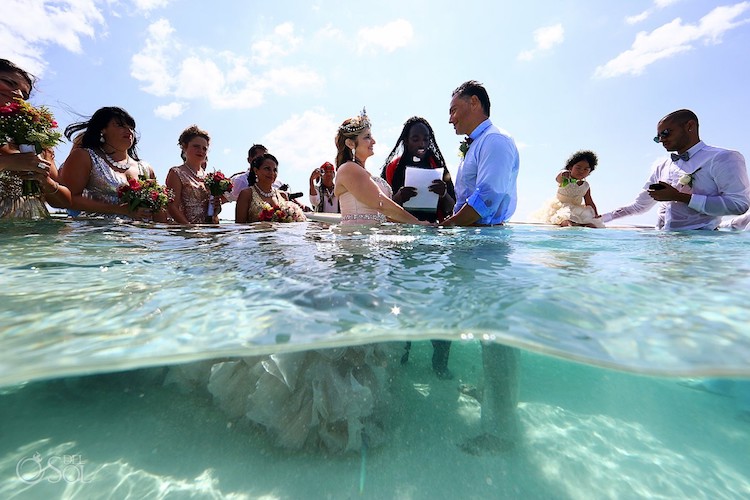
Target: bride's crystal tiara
<point>356,124</point>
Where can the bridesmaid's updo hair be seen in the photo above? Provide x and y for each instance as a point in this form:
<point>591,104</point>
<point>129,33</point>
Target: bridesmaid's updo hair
<point>588,156</point>
<point>256,163</point>
<point>191,133</point>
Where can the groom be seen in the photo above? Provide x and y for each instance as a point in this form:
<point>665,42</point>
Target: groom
<point>486,196</point>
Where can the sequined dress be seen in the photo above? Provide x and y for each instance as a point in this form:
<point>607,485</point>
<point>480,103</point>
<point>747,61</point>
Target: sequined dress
<point>257,205</point>
<point>194,197</point>
<point>103,182</point>
<point>354,212</point>
<point>568,205</point>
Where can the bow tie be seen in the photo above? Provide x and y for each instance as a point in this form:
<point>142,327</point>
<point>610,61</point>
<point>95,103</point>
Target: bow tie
<point>684,156</point>
<point>469,140</point>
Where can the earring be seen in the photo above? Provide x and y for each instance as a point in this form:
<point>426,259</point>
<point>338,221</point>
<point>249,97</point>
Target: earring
<point>354,156</point>
<point>101,138</point>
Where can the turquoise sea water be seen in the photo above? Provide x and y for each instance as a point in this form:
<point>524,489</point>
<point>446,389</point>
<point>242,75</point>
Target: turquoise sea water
<point>610,323</point>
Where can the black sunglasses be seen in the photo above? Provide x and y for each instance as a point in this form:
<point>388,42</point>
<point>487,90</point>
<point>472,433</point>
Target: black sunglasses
<point>662,135</point>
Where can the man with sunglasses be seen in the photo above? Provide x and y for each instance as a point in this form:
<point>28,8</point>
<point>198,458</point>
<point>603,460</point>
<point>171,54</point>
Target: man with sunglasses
<point>696,185</point>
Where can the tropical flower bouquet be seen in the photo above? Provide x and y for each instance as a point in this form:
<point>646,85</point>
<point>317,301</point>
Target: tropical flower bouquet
<point>31,129</point>
<point>144,192</point>
<point>217,184</point>
<point>289,212</point>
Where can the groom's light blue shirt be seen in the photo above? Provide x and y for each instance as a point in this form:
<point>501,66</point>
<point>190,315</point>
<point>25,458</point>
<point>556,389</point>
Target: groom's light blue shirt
<point>487,176</point>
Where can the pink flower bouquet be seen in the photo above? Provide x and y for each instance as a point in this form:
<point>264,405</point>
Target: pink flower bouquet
<point>144,192</point>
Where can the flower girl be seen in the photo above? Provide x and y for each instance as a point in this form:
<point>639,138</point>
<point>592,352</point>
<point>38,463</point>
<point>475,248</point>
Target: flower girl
<point>573,205</point>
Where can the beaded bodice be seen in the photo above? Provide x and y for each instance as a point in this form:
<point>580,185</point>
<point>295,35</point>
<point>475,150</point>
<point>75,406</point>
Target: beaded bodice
<point>355,212</point>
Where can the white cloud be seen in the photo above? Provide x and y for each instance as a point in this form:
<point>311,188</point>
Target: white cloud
<point>223,78</point>
<point>28,26</point>
<point>171,110</point>
<point>545,38</point>
<point>389,37</point>
<point>281,43</point>
<point>658,4</point>
<point>149,5</point>
<point>671,39</point>
<point>151,63</point>
<point>314,132</point>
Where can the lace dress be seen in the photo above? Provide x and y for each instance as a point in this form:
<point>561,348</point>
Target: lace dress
<point>568,205</point>
<point>13,205</point>
<point>194,197</point>
<point>354,212</point>
<point>329,399</point>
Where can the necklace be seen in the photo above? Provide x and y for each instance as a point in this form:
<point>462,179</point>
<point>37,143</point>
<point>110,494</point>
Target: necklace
<point>193,173</point>
<point>263,193</point>
<point>120,165</point>
<point>328,194</point>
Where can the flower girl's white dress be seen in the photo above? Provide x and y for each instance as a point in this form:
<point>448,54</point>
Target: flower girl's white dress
<point>568,205</point>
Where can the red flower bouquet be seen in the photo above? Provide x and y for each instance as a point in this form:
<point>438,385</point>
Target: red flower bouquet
<point>217,184</point>
<point>144,192</point>
<point>290,212</point>
<point>29,128</point>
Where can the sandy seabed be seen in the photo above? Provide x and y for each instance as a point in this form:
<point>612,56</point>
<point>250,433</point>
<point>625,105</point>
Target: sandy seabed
<point>587,433</point>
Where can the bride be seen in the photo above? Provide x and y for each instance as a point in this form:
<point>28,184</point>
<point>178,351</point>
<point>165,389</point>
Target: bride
<point>363,199</point>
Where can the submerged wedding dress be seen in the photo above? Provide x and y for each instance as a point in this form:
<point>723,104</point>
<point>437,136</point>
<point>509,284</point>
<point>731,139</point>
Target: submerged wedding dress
<point>333,399</point>
<point>568,205</point>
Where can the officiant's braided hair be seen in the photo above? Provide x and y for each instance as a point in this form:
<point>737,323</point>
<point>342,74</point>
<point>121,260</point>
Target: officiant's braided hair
<point>584,155</point>
<point>433,151</point>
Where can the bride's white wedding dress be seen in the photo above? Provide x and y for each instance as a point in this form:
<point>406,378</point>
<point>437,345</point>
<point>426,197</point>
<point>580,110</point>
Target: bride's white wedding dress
<point>333,399</point>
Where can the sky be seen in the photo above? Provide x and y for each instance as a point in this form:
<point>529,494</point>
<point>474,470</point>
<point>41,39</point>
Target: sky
<point>561,75</point>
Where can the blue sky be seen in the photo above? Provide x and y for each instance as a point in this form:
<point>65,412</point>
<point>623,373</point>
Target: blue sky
<point>562,76</point>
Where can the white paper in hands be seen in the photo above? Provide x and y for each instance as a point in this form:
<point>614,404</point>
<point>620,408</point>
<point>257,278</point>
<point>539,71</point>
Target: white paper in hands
<point>421,178</point>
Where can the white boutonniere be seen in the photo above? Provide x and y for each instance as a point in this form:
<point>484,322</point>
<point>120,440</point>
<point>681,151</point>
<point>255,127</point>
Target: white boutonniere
<point>687,179</point>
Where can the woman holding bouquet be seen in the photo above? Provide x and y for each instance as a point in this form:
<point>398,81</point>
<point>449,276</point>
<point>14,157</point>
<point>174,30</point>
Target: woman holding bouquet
<point>106,162</point>
<point>16,86</point>
<point>261,200</point>
<point>188,181</point>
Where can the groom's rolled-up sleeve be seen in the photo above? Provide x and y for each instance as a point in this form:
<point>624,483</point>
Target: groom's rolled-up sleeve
<point>498,159</point>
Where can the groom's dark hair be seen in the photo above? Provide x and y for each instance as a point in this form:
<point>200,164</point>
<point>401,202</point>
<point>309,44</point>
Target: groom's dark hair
<point>473,87</point>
